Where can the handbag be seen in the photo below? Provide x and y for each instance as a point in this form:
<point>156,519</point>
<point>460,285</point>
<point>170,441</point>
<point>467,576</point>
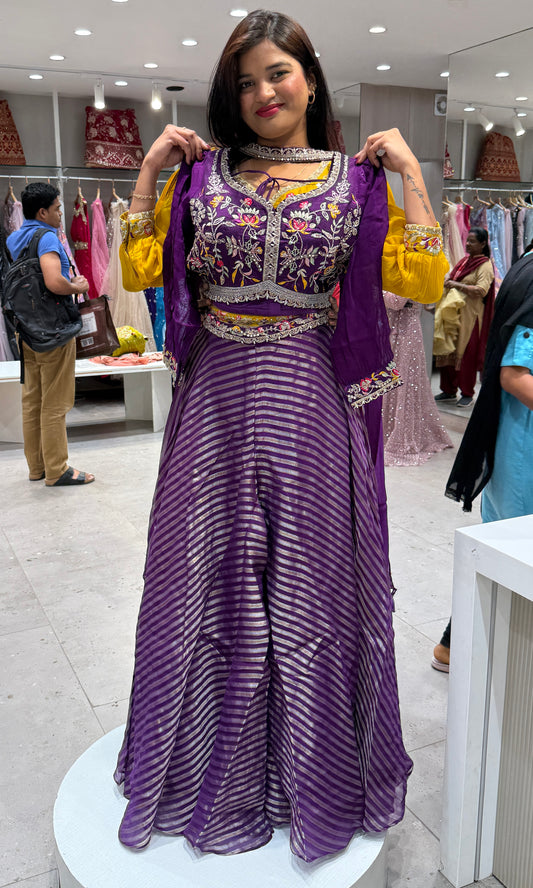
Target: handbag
<point>97,335</point>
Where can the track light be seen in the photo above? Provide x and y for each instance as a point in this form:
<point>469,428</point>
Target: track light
<point>518,128</point>
<point>339,101</point>
<point>485,122</point>
<point>156,102</point>
<point>99,101</point>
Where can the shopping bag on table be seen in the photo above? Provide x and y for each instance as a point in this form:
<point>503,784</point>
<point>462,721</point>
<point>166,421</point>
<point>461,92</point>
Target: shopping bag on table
<point>97,335</point>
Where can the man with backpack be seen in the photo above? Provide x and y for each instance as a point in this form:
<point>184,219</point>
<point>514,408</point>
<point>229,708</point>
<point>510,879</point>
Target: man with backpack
<point>49,375</point>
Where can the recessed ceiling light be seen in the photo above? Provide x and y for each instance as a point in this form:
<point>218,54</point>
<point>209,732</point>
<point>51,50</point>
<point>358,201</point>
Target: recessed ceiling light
<point>383,68</point>
<point>377,29</point>
<point>238,13</point>
<point>317,54</point>
<point>56,58</point>
<point>469,108</point>
<point>120,1</point>
<point>121,82</point>
<point>444,73</point>
<point>189,41</point>
<point>36,76</point>
<point>521,113</point>
<point>520,98</point>
<point>82,32</point>
<point>151,65</point>
<point>502,74</point>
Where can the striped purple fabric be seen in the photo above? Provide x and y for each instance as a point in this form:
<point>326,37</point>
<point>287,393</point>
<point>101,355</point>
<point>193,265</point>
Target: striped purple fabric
<point>265,686</point>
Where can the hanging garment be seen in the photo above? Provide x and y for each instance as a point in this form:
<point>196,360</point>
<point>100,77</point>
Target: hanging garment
<point>455,243</point>
<point>449,171</point>
<point>520,219</point>
<point>156,307</point>
<point>497,238</point>
<point>478,215</point>
<point>127,309</point>
<point>81,239</point>
<point>63,239</point>
<point>112,139</point>
<point>497,160</point>
<point>412,430</point>
<point>11,152</point>
<point>99,248</point>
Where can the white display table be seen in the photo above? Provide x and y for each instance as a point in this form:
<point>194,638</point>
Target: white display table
<point>492,562</point>
<point>147,393</point>
<point>87,814</point>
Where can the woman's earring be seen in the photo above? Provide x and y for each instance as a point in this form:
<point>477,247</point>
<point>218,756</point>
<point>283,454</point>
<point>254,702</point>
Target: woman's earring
<point>311,99</point>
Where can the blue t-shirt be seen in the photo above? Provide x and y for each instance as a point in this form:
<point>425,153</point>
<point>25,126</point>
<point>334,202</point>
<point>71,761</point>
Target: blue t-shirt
<point>509,493</point>
<point>49,243</point>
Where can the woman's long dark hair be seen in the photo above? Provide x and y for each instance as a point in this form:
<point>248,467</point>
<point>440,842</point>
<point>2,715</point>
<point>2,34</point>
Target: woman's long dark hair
<point>482,236</point>
<point>223,109</point>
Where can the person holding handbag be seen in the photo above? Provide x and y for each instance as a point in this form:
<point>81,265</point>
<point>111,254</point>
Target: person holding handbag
<point>49,376</point>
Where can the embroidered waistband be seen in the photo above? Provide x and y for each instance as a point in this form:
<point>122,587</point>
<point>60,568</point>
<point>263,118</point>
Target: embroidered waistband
<point>268,290</point>
<point>254,329</point>
<point>81,245</point>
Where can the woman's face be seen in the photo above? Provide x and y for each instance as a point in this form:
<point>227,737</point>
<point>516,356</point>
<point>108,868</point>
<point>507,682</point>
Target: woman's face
<point>274,94</point>
<point>473,246</point>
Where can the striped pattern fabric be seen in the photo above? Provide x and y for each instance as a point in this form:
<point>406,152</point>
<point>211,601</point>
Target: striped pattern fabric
<point>265,686</point>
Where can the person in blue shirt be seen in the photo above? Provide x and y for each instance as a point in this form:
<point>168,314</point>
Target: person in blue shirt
<point>49,377</point>
<point>496,454</point>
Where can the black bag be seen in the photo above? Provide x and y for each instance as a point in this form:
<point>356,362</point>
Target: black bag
<point>97,335</point>
<point>42,319</point>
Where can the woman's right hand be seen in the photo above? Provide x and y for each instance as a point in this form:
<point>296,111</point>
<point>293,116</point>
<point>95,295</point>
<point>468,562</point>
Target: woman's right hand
<point>174,145</point>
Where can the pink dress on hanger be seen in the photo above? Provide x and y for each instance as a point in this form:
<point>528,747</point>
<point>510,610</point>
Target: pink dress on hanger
<point>99,249</point>
<point>412,430</point>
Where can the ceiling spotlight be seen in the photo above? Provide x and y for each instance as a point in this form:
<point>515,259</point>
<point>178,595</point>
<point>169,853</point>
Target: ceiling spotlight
<point>35,76</point>
<point>444,73</point>
<point>520,98</point>
<point>82,32</point>
<point>339,101</point>
<point>377,29</point>
<point>56,58</point>
<point>99,101</point>
<point>189,41</point>
<point>151,65</point>
<point>317,55</point>
<point>121,82</point>
<point>238,13</point>
<point>383,68</point>
<point>485,122</point>
<point>518,128</point>
<point>469,108</point>
<point>521,113</point>
<point>156,102</point>
<point>502,74</point>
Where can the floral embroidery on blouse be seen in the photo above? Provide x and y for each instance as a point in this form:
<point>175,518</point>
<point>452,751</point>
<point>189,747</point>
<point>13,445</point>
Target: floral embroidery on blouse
<point>372,387</point>
<point>423,238</point>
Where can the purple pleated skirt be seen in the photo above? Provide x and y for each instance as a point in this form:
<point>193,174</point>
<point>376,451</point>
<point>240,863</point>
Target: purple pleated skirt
<point>265,686</point>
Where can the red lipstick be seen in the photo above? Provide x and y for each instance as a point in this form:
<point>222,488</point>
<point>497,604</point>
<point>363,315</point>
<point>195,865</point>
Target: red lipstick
<point>268,110</point>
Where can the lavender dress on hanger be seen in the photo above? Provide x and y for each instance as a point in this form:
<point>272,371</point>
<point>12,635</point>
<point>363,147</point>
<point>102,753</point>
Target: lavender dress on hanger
<point>412,429</point>
<point>265,688</point>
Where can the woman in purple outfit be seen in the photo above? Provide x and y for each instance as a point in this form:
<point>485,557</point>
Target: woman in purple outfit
<point>265,688</point>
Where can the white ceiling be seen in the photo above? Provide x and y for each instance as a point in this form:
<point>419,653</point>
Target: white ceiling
<point>420,36</point>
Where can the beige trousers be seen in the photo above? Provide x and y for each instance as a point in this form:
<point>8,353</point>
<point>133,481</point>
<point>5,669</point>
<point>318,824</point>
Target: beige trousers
<point>47,396</point>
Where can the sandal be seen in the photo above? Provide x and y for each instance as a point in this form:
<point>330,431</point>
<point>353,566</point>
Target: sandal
<point>67,478</point>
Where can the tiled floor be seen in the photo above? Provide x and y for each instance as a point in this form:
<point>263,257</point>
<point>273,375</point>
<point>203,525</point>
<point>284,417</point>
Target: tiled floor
<point>71,563</point>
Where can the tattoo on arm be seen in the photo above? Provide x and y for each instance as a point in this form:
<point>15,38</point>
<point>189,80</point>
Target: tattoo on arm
<point>418,193</point>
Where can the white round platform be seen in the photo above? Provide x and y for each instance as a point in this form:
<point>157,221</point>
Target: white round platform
<point>87,814</point>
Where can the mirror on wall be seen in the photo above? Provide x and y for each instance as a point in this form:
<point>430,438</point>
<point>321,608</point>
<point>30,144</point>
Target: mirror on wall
<point>495,80</point>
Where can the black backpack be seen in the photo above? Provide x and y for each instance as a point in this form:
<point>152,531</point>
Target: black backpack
<point>42,319</point>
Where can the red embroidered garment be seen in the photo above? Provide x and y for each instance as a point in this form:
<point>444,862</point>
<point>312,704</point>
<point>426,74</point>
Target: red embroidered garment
<point>11,152</point>
<point>497,161</point>
<point>449,171</point>
<point>112,139</point>
<point>81,241</point>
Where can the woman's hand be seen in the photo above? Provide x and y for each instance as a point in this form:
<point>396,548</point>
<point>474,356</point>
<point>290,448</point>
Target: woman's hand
<point>391,147</point>
<point>174,145</point>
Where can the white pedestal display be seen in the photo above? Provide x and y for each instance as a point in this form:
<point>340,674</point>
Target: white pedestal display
<point>87,814</point>
<point>492,563</point>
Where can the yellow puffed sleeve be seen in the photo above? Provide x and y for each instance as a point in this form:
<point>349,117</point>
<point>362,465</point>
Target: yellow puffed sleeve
<point>143,236</point>
<point>413,264</point>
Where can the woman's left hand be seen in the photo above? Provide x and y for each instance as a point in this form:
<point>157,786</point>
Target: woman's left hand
<point>391,148</point>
